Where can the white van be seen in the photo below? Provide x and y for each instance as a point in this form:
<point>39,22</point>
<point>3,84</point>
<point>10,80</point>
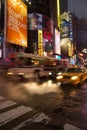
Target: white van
<point>26,71</point>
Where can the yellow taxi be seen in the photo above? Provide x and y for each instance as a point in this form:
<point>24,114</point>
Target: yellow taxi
<point>73,76</point>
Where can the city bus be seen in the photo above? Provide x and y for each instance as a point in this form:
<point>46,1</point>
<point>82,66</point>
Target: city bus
<point>30,65</point>
<point>21,58</point>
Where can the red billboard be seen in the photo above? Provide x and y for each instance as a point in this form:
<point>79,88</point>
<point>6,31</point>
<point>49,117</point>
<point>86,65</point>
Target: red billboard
<point>47,24</point>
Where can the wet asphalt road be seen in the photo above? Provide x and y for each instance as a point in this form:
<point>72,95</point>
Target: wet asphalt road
<point>62,105</point>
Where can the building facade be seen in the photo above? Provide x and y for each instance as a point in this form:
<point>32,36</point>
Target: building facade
<point>42,28</point>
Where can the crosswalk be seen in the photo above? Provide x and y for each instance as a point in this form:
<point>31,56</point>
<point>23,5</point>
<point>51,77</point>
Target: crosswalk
<point>14,116</point>
<point>11,111</point>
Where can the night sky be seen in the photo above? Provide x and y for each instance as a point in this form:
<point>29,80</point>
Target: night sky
<point>79,7</point>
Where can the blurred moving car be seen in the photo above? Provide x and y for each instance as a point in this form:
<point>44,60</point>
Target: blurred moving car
<point>25,71</point>
<point>3,71</point>
<point>34,72</point>
<point>57,71</point>
<point>73,76</point>
<point>45,72</point>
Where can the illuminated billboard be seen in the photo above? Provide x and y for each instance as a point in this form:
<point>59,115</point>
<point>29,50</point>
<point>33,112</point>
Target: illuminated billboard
<point>34,21</point>
<point>47,24</point>
<point>65,47</point>
<point>57,42</point>
<point>16,26</point>
<point>48,43</point>
<point>40,42</point>
<point>40,22</point>
<point>65,25</point>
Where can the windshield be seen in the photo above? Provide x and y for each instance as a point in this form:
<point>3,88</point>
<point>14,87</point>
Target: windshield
<point>76,70</point>
<point>61,69</point>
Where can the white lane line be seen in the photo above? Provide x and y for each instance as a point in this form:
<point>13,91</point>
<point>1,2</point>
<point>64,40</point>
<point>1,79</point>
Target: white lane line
<point>36,118</point>
<point>13,114</point>
<point>6,104</point>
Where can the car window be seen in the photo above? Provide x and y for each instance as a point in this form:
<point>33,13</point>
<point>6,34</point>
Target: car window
<point>49,69</point>
<point>76,70</point>
<point>61,69</point>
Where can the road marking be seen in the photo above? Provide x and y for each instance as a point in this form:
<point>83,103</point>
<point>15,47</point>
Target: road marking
<point>6,104</point>
<point>36,118</point>
<point>17,112</point>
<point>13,114</point>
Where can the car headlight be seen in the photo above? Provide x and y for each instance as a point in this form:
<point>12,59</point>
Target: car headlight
<point>9,73</point>
<point>74,77</point>
<point>59,73</point>
<point>59,77</point>
<point>50,73</point>
<point>20,73</point>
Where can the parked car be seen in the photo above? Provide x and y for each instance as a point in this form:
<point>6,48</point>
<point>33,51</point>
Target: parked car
<point>73,76</point>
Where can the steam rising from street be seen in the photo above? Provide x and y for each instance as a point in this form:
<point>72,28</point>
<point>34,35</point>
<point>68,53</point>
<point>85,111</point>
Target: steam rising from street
<point>24,90</point>
<point>45,87</point>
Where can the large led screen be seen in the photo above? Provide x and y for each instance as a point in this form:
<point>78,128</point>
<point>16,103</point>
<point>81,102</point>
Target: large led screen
<point>65,26</point>
<point>47,24</point>
<point>57,42</point>
<point>35,21</point>
<point>16,28</point>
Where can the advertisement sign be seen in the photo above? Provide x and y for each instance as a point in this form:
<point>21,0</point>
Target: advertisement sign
<point>57,42</point>
<point>65,26</point>
<point>40,22</point>
<point>71,27</point>
<point>48,43</point>
<point>40,42</point>
<point>64,46</point>
<point>16,27</point>
<point>35,21</point>
<point>47,24</point>
<point>70,49</point>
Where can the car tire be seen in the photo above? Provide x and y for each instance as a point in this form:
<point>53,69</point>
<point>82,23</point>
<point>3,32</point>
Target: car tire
<point>37,73</point>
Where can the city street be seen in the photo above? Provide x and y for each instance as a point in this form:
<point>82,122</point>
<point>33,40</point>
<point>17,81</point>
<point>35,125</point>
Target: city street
<point>43,65</point>
<point>36,105</point>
